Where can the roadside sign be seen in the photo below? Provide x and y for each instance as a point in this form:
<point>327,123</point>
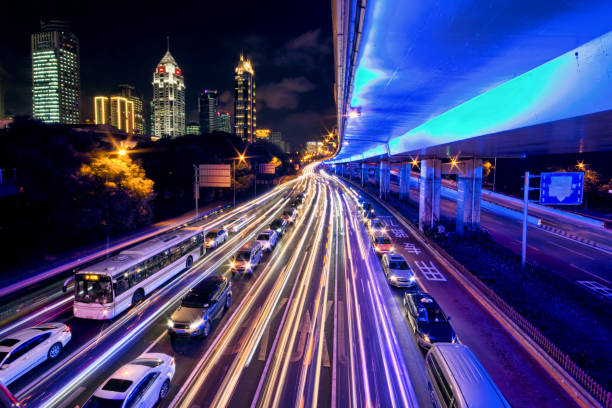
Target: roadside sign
<point>561,188</point>
<point>267,168</point>
<point>215,175</point>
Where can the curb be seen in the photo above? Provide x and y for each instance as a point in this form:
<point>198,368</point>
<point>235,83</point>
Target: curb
<point>565,380</point>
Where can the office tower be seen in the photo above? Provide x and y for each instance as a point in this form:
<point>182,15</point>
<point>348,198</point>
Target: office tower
<point>207,110</point>
<point>244,100</point>
<point>56,82</point>
<point>311,147</point>
<point>193,128</point>
<point>117,111</point>
<point>168,98</point>
<point>224,122</point>
<point>127,91</point>
<point>276,137</point>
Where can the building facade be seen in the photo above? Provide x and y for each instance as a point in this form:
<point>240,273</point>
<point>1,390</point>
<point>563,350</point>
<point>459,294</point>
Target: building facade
<point>193,128</point>
<point>168,99</point>
<point>117,111</point>
<point>224,122</point>
<point>56,80</point>
<point>245,113</point>
<point>207,110</point>
<point>127,91</point>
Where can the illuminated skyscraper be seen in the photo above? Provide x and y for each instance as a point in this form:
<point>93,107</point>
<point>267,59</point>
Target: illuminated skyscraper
<point>224,122</point>
<point>117,111</point>
<point>244,100</point>
<point>207,109</point>
<point>127,91</point>
<point>168,98</point>
<point>56,82</point>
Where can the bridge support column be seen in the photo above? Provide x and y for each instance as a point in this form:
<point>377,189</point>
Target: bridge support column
<point>362,172</point>
<point>404,181</point>
<point>469,187</point>
<point>384,173</point>
<point>429,197</point>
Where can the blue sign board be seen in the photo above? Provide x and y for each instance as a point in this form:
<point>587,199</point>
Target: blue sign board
<point>561,188</point>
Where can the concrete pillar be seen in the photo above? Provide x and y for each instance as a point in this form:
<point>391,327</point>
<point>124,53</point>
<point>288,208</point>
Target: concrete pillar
<point>363,172</point>
<point>429,197</point>
<point>469,187</point>
<point>404,181</point>
<point>384,173</point>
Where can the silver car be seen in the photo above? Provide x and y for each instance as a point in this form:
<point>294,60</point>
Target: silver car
<point>25,349</point>
<point>397,270</point>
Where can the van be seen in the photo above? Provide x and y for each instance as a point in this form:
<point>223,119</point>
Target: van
<point>457,379</point>
<point>247,258</point>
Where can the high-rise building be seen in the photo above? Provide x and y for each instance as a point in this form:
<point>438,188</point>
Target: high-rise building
<point>56,82</point>
<point>224,122</point>
<point>262,134</point>
<point>117,111</point>
<point>207,110</point>
<point>311,147</point>
<point>168,98</point>
<point>127,91</point>
<point>244,100</point>
<point>192,128</point>
<point>276,137</point>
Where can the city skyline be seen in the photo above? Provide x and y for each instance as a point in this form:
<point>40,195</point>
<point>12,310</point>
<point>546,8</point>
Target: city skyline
<point>291,95</point>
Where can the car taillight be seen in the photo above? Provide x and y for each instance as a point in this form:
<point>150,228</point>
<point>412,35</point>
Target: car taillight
<point>67,329</point>
<point>172,362</point>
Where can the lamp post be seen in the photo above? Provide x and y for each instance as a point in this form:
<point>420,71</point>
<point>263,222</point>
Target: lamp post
<point>240,159</point>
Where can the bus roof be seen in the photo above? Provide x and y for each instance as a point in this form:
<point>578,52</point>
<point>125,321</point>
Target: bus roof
<point>134,255</point>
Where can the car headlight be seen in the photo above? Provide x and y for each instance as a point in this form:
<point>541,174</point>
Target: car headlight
<point>426,338</point>
<point>196,324</point>
<point>392,249</point>
<point>232,264</point>
<point>248,265</point>
<point>412,279</point>
<point>170,323</point>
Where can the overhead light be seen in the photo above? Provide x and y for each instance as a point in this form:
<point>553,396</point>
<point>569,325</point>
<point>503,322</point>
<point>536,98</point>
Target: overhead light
<point>354,113</point>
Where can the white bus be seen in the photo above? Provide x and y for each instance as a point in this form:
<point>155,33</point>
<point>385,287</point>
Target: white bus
<point>107,288</point>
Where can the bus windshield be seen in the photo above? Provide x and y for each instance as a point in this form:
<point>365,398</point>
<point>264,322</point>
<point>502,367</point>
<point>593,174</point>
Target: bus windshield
<point>93,289</point>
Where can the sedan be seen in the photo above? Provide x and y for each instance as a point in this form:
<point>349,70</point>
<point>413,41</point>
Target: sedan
<point>382,243</point>
<point>427,320</point>
<point>398,271</point>
<point>279,225</point>
<point>267,239</point>
<point>25,349</point>
<point>141,383</point>
<point>215,237</point>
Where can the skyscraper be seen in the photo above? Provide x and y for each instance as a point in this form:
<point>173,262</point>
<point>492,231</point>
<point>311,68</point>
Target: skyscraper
<point>207,110</point>
<point>117,111</point>
<point>224,121</point>
<point>244,100</point>
<point>168,98</point>
<point>127,91</point>
<point>56,82</point>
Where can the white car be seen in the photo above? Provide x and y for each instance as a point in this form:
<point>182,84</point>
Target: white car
<point>215,237</point>
<point>398,271</point>
<point>267,239</point>
<point>25,349</point>
<point>140,383</point>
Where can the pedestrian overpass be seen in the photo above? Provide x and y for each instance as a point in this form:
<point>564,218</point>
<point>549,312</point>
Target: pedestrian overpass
<point>449,83</point>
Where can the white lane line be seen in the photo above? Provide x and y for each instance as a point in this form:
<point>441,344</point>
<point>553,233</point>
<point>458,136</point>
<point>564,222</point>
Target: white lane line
<point>575,241</point>
<point>571,250</point>
<point>157,340</point>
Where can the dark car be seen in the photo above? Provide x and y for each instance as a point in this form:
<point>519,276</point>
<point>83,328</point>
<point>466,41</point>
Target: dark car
<point>200,306</point>
<point>428,320</point>
<point>279,225</point>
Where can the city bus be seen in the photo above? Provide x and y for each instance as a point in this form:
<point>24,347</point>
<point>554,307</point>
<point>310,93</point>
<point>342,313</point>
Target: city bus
<point>105,289</point>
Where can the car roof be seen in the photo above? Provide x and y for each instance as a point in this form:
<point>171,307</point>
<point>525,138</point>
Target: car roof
<point>215,230</point>
<point>26,334</point>
<point>381,234</point>
<point>424,299</point>
<point>472,379</point>
<point>249,246</point>
<point>395,257</point>
<point>266,231</point>
<point>129,372</point>
<point>209,284</point>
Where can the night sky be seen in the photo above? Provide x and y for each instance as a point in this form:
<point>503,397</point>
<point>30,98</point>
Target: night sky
<point>288,42</point>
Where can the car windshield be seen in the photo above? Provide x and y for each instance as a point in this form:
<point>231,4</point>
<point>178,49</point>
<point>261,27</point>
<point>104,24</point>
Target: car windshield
<point>2,356</point>
<point>195,300</point>
<point>263,237</point>
<point>382,240</point>
<point>432,315</point>
<point>117,385</point>
<point>401,265</point>
<point>243,256</point>
<point>97,402</point>
<point>148,362</point>
<point>211,235</point>
<point>93,289</point>
<point>276,224</point>
<point>8,342</point>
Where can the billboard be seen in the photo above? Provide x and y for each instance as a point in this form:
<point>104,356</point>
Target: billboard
<point>267,168</point>
<point>561,188</point>
<point>215,175</point>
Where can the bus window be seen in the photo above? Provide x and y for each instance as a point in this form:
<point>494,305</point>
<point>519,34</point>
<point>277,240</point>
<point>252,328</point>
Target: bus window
<point>121,285</point>
<point>93,289</point>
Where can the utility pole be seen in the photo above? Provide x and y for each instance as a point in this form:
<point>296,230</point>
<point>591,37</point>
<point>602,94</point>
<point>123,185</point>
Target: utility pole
<point>196,188</point>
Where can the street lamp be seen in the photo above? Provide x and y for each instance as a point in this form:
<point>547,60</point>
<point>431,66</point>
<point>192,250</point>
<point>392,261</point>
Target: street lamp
<point>122,152</point>
<point>240,159</point>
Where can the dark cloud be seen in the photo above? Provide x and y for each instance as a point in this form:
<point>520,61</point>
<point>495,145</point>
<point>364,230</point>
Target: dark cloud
<point>226,102</point>
<point>284,95</point>
<point>306,50</point>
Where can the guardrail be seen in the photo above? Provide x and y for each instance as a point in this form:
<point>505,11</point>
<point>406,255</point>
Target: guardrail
<point>17,286</point>
<point>585,380</point>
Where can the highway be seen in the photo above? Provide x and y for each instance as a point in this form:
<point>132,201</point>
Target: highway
<point>316,325</point>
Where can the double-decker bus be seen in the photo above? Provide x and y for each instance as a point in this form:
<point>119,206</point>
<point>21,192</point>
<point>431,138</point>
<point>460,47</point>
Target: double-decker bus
<point>105,289</point>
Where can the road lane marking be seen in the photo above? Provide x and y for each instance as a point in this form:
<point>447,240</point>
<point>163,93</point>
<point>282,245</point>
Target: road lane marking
<point>430,271</point>
<point>411,248</point>
<point>263,348</point>
<point>571,250</point>
<point>591,274</point>
<point>597,288</point>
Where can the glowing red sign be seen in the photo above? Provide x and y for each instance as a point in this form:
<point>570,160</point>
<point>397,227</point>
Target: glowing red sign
<point>161,70</point>
<point>178,71</point>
